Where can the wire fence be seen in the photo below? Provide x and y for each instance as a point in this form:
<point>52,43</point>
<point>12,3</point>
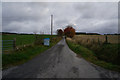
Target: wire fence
<point>8,45</point>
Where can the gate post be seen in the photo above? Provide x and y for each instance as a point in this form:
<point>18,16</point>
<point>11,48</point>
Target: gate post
<point>14,43</point>
<point>98,41</point>
<point>106,39</point>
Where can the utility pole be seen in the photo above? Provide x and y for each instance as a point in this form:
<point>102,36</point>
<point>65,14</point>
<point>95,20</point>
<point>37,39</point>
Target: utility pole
<point>51,23</point>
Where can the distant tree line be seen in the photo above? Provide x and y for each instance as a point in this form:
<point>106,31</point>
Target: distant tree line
<point>8,33</point>
<point>69,31</point>
<point>15,33</point>
<point>84,33</point>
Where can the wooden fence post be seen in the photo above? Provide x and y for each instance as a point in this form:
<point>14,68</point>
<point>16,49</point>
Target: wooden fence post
<point>87,40</point>
<point>14,43</point>
<point>93,41</point>
<point>98,41</point>
<point>106,39</point>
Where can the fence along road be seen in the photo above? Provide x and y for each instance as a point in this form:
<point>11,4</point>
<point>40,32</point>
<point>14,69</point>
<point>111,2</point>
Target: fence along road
<point>8,45</point>
<point>58,62</point>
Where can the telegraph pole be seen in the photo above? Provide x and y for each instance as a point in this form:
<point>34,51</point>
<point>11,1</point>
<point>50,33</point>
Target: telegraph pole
<point>51,24</point>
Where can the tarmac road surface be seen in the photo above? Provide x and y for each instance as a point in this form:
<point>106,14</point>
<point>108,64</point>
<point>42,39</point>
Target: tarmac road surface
<point>59,62</point>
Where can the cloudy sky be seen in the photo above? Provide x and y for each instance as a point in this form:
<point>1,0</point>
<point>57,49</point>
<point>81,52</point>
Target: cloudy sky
<point>84,16</point>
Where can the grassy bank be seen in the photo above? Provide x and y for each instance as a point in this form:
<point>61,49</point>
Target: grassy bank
<point>107,52</point>
<point>25,53</point>
<point>90,56</point>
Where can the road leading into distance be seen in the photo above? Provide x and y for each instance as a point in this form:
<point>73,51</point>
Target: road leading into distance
<point>58,62</point>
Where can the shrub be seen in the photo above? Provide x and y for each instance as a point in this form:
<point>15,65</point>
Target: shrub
<point>69,31</point>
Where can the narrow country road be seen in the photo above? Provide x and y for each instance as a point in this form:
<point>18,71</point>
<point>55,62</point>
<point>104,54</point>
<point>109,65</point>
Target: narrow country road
<point>58,62</point>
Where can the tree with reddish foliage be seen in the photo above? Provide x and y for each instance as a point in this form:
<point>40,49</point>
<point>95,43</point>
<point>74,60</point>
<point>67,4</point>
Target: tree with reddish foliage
<point>69,31</point>
<point>60,32</point>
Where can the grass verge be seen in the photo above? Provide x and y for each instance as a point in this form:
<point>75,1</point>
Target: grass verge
<point>23,55</point>
<point>91,57</point>
<point>21,39</point>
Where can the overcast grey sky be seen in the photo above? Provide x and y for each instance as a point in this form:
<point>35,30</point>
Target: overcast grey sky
<point>35,16</point>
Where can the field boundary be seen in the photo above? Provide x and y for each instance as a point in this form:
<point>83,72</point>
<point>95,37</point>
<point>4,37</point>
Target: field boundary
<point>88,55</point>
<point>6,44</point>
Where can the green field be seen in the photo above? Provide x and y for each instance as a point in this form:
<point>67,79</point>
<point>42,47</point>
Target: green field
<point>23,54</point>
<point>22,39</point>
